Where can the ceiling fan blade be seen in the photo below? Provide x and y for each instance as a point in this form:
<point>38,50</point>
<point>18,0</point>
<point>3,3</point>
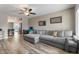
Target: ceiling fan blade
<point>33,13</point>
<point>30,10</point>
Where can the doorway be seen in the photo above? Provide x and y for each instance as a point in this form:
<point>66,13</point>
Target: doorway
<point>14,25</point>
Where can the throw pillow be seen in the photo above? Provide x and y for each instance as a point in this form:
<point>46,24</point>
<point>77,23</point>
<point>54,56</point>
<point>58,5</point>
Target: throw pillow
<point>60,34</point>
<point>68,33</point>
<point>50,32</point>
<point>55,33</point>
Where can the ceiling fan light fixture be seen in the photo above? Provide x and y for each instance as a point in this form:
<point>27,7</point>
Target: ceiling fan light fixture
<point>26,13</point>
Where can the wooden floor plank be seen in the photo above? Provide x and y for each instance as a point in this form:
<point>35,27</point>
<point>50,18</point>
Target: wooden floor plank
<point>23,47</point>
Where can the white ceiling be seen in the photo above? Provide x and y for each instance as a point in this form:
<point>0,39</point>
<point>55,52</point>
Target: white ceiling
<point>39,9</point>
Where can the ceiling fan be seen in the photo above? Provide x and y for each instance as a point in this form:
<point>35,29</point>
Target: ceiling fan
<point>26,11</point>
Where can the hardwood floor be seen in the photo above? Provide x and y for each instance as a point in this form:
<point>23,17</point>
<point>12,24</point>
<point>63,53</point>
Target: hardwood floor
<point>11,46</point>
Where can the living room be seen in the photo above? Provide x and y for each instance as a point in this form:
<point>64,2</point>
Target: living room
<point>51,26</point>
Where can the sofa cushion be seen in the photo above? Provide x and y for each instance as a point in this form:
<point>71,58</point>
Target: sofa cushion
<point>60,34</point>
<point>32,35</point>
<point>68,33</point>
<point>46,37</point>
<point>42,32</point>
<point>59,40</point>
<point>75,38</point>
<point>34,31</point>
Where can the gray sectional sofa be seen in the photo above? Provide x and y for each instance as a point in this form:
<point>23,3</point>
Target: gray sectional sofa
<point>67,44</point>
<point>63,40</point>
<point>53,41</point>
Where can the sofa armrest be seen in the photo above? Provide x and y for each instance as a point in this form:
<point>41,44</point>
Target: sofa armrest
<point>66,44</point>
<point>70,45</point>
<point>77,46</point>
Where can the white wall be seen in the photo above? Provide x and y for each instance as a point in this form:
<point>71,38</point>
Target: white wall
<point>68,21</point>
<point>25,23</point>
<point>10,25</point>
<point>4,24</point>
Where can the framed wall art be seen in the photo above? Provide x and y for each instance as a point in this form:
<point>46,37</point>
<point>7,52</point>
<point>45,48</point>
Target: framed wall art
<point>56,20</point>
<point>42,23</point>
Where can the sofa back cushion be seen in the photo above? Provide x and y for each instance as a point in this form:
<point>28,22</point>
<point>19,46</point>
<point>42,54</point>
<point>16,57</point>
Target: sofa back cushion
<point>34,31</point>
<point>68,33</point>
<point>50,32</point>
<point>55,33</point>
<point>42,32</point>
<point>38,32</point>
<point>60,34</point>
<point>75,38</point>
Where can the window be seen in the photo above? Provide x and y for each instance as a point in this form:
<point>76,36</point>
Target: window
<point>77,22</point>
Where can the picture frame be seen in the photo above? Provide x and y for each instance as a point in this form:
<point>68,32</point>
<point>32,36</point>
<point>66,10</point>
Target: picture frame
<point>56,20</point>
<point>42,23</point>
